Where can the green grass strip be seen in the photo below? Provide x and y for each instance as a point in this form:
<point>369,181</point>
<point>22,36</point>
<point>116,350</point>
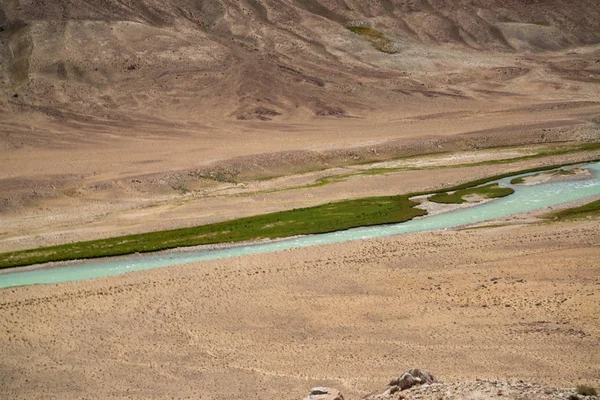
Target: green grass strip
<point>389,170</point>
<point>489,179</point>
<point>320,219</point>
<point>490,191</point>
<point>587,210</point>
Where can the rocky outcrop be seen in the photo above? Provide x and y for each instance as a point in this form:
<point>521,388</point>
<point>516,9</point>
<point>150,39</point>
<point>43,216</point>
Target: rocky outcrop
<point>420,384</point>
<point>411,378</point>
<point>405,381</point>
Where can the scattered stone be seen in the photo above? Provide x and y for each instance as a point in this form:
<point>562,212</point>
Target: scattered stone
<point>324,393</point>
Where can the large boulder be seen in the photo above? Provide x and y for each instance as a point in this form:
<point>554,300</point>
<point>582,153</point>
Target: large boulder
<point>404,381</point>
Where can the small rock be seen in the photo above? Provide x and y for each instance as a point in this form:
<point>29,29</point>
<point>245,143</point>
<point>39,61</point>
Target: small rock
<point>423,375</point>
<point>411,378</point>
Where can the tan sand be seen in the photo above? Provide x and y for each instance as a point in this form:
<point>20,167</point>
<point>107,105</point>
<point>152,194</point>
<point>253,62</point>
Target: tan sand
<point>434,208</point>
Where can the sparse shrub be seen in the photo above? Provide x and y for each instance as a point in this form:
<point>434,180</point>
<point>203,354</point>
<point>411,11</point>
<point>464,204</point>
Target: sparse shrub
<point>376,38</point>
<point>585,390</point>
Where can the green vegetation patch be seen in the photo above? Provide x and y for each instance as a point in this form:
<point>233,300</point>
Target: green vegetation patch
<point>320,219</point>
<point>565,172</point>
<point>375,37</point>
<point>482,181</point>
<point>518,181</point>
<point>587,210</point>
<point>491,191</point>
<point>570,149</point>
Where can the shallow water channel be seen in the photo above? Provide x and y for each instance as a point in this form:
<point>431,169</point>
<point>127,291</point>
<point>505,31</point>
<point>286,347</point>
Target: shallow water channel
<point>525,198</point>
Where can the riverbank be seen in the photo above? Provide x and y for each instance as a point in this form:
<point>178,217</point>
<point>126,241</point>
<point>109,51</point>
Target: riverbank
<point>320,219</point>
<point>542,215</point>
<point>43,227</point>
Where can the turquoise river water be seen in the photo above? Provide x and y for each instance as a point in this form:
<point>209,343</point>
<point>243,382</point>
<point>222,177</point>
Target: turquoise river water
<point>525,198</point>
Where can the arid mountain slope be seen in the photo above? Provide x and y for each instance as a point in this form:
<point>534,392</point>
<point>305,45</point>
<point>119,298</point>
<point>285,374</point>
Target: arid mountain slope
<point>268,59</point>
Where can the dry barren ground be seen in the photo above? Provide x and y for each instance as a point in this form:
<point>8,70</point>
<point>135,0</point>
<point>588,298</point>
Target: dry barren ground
<point>517,302</point>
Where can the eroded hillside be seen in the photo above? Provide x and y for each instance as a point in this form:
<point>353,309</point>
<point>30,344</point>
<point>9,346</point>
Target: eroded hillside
<point>172,62</point>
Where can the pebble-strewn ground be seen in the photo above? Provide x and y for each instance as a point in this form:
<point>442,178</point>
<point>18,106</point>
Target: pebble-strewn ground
<point>479,389</point>
<point>514,302</point>
<point>486,389</point>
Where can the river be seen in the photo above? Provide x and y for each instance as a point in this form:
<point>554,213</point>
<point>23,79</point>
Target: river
<point>525,198</point>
